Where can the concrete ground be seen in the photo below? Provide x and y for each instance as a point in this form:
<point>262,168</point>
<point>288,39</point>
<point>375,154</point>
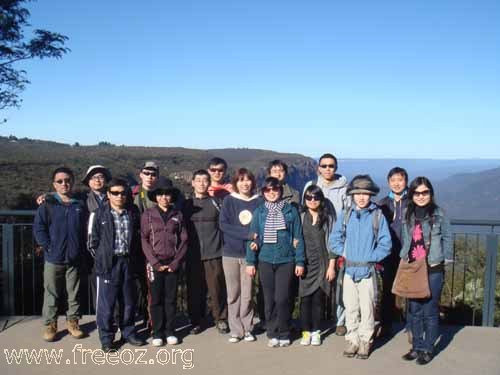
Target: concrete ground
<point>461,351</point>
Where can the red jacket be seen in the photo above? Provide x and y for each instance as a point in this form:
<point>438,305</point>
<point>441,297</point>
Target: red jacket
<point>163,243</point>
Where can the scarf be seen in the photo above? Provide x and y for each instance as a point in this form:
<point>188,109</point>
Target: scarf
<point>274,221</point>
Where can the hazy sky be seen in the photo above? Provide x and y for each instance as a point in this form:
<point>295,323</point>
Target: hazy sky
<point>360,79</point>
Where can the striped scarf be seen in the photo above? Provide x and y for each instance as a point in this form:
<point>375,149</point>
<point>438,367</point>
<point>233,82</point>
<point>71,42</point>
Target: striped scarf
<point>274,221</point>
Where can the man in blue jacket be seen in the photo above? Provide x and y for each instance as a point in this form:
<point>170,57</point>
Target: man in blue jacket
<point>59,230</point>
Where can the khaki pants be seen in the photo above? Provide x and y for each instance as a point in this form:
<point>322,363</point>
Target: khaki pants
<point>239,296</point>
<point>359,301</point>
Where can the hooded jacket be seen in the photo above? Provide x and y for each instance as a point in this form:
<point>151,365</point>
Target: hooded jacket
<point>335,193</point>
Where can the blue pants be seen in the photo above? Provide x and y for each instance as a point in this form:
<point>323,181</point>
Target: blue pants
<point>424,315</point>
<point>119,287</point>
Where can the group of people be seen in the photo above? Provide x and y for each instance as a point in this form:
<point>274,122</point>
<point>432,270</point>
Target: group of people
<point>332,237</point>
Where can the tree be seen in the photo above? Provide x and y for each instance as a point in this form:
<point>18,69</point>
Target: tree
<point>15,47</point>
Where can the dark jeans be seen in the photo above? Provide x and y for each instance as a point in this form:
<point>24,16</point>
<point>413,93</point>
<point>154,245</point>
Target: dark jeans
<point>310,310</point>
<point>388,300</point>
<point>163,303</point>
<point>425,315</point>
<point>276,280</point>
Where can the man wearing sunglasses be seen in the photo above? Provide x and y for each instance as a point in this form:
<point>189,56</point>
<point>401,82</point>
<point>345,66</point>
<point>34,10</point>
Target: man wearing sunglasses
<point>334,188</point>
<point>217,169</point>
<point>149,174</point>
<point>114,240</point>
<point>58,229</point>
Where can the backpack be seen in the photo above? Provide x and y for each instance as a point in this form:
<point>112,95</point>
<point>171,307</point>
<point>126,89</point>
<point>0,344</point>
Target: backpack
<point>376,217</point>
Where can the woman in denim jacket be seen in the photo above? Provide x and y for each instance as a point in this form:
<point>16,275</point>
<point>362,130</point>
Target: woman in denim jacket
<point>426,233</point>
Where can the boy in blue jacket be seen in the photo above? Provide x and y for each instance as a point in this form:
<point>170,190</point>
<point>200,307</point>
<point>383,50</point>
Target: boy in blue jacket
<point>361,235</point>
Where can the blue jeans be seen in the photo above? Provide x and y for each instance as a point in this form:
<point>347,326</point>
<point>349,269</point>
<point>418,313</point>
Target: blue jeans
<point>425,315</point>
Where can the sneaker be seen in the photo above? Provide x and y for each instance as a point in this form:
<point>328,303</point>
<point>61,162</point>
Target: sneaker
<point>172,340</point>
<point>364,350</point>
<point>410,356</point>
<point>157,342</point>
<point>222,327</point>
<point>340,330</point>
<point>316,338</point>
<point>49,333</point>
<point>285,342</point>
<point>249,337</point>
<point>74,329</point>
<point>306,338</point>
<point>273,343</point>
<point>234,339</point>
<point>350,350</point>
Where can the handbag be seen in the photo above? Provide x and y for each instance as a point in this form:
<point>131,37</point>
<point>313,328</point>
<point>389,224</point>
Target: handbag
<point>412,279</point>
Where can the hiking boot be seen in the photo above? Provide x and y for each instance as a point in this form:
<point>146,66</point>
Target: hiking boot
<point>364,350</point>
<point>316,338</point>
<point>306,338</point>
<point>49,333</point>
<point>424,358</point>
<point>222,327</point>
<point>350,350</point>
<point>74,329</point>
<point>340,330</point>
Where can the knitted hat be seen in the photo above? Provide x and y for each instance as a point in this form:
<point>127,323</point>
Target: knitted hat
<point>362,183</point>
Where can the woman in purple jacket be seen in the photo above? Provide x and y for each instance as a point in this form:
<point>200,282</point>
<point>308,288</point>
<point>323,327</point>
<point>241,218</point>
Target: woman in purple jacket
<point>164,242</point>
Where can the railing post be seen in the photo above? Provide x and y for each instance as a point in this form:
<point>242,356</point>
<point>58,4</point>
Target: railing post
<point>8,304</point>
<point>490,280</point>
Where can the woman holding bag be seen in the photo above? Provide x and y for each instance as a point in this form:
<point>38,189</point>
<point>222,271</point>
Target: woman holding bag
<point>426,234</point>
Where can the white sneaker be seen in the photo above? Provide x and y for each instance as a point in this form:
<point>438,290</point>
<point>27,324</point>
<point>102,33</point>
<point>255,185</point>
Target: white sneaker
<point>316,338</point>
<point>234,339</point>
<point>273,343</point>
<point>157,342</point>
<point>285,342</point>
<point>172,340</point>
<point>306,338</point>
<point>249,337</point>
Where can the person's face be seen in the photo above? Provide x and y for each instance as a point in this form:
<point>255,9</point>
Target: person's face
<point>217,173</point>
<point>63,183</point>
<point>397,183</point>
<point>312,201</point>
<point>272,194</point>
<point>422,196</point>
<point>362,200</point>
<point>278,172</point>
<point>117,196</point>
<point>97,181</point>
<point>327,168</point>
<point>244,185</point>
<point>164,200</point>
<point>148,178</point>
<point>200,184</point>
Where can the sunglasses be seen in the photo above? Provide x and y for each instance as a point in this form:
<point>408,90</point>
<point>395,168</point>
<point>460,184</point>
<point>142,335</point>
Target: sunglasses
<point>324,166</point>
<point>63,181</point>
<point>424,193</point>
<point>269,189</point>
<point>147,173</point>
<point>121,193</point>
<point>213,170</point>
<point>312,198</point>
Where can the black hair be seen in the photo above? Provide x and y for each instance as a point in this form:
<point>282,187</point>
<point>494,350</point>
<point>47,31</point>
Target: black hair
<point>421,180</point>
<point>118,182</point>
<point>277,163</point>
<point>325,209</point>
<point>217,161</point>
<point>66,170</point>
<point>271,182</point>
<point>241,174</point>
<point>201,172</point>
<point>329,156</point>
<point>398,170</point>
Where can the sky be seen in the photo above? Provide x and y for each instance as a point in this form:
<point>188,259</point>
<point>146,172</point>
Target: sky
<point>360,79</point>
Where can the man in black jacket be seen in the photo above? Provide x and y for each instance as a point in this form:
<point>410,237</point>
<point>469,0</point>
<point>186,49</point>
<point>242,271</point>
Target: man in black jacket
<point>114,241</point>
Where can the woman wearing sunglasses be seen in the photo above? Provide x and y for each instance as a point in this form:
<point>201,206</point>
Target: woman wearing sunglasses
<point>426,234</point>
<point>317,221</point>
<point>278,247</point>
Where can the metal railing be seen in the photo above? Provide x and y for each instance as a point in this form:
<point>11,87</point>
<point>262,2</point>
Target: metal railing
<point>471,295</point>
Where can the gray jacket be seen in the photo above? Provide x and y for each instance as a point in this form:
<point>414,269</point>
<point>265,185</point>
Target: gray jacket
<point>336,192</point>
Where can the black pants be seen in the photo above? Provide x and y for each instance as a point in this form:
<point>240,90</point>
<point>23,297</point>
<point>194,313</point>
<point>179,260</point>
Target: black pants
<point>388,300</point>
<point>310,310</point>
<point>276,280</point>
<point>163,303</point>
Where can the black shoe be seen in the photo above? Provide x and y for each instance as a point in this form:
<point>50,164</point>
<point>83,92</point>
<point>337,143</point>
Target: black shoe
<point>196,329</point>
<point>410,356</point>
<point>106,348</point>
<point>133,340</point>
<point>424,358</point>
